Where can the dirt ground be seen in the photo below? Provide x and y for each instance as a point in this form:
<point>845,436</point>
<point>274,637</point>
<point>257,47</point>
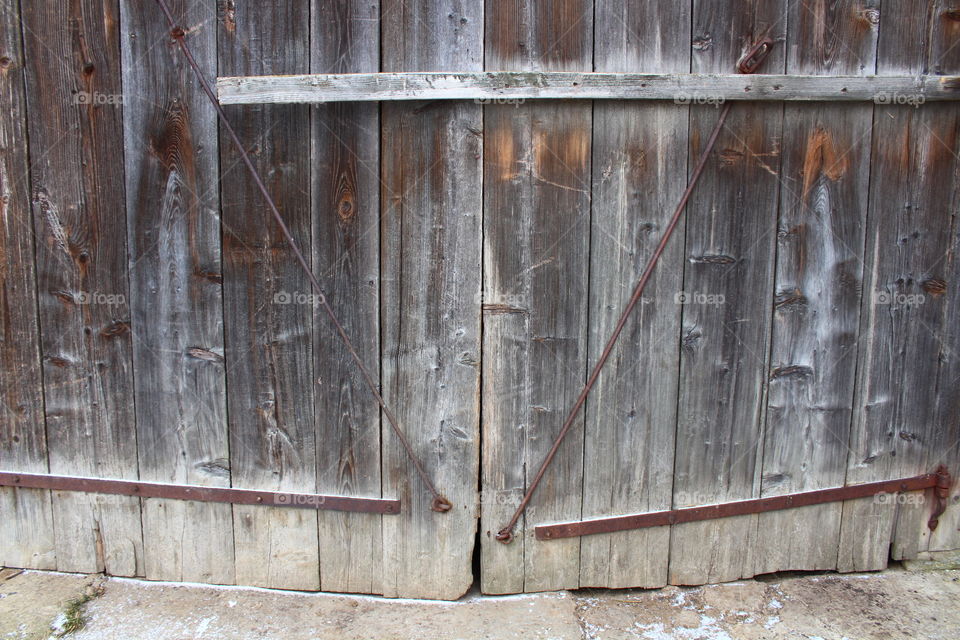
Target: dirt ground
<point>918,600</point>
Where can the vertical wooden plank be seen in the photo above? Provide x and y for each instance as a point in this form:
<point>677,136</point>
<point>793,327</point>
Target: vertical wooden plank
<point>639,165</point>
<point>819,271</point>
<point>75,122</point>
<point>944,57</point>
<point>346,256</point>
<point>430,248</point>
<point>728,276</point>
<point>26,528</point>
<point>912,293</point>
<point>904,307</point>
<point>536,268</point>
<point>170,137</point>
<point>268,303</point>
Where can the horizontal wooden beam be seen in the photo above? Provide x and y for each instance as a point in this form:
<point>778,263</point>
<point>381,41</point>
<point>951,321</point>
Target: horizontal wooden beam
<point>514,86</point>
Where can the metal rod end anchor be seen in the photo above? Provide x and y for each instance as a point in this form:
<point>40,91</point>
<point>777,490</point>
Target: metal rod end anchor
<point>941,495</point>
<point>441,505</point>
<point>505,536</point>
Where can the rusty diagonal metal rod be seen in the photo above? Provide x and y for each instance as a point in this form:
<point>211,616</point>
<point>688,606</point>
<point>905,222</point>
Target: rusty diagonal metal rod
<point>749,63</point>
<point>439,503</point>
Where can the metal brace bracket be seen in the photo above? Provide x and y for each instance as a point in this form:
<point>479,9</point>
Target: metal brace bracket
<point>200,494</point>
<point>940,481</point>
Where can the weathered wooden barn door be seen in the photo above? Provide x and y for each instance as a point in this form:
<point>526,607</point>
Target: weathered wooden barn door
<point>798,333</point>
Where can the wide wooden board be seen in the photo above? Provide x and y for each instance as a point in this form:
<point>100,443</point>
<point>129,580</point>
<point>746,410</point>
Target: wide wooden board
<point>173,199</point>
<point>536,267</point>
<point>818,286</point>
<point>639,171</point>
<point>430,286</point>
<point>345,205</point>
<point>728,276</point>
<point>903,318</point>
<point>74,111</point>
<point>268,303</point>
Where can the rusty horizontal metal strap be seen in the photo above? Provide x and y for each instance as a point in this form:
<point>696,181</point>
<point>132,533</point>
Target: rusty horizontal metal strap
<point>197,493</point>
<point>940,481</point>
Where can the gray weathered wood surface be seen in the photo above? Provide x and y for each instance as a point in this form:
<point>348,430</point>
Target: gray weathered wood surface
<point>942,163</point>
<point>728,276</point>
<point>173,199</point>
<point>944,56</point>
<point>536,270</point>
<point>477,245</point>
<point>268,303</point>
<point>430,286</point>
<point>26,528</point>
<point>345,215</point>
<point>896,427</point>
<point>494,86</point>
<point>72,62</point>
<point>639,160</point>
<point>907,252</point>
<point>816,304</point>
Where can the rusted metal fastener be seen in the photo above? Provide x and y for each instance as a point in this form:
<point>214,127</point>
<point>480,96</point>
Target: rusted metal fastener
<point>941,494</point>
<point>441,505</point>
<point>939,482</point>
<point>178,35</point>
<point>751,62</point>
<point>753,58</point>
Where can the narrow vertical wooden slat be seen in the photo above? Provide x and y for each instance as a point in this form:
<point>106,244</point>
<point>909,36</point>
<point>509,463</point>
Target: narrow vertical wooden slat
<point>430,315</point>
<point>938,133</point>
<point>345,38</point>
<point>728,277</point>
<point>268,303</point>
<point>75,124</point>
<point>26,527</point>
<point>173,207</point>
<point>536,269</point>
<point>944,57</point>
<point>819,271</point>
<point>904,302</point>
<point>639,165</point>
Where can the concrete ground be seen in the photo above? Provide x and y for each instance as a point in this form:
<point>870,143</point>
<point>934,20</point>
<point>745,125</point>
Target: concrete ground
<point>918,600</point>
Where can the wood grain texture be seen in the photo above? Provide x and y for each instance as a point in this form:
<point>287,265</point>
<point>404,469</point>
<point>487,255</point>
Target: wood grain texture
<point>940,446</point>
<point>944,55</point>
<point>536,266</point>
<point>72,67</point>
<point>430,286</point>
<point>26,528</point>
<point>170,138</point>
<point>526,85</point>
<point>895,423</point>
<point>819,272</point>
<point>728,276</point>
<point>639,165</point>
<point>345,37</point>
<point>268,303</point>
